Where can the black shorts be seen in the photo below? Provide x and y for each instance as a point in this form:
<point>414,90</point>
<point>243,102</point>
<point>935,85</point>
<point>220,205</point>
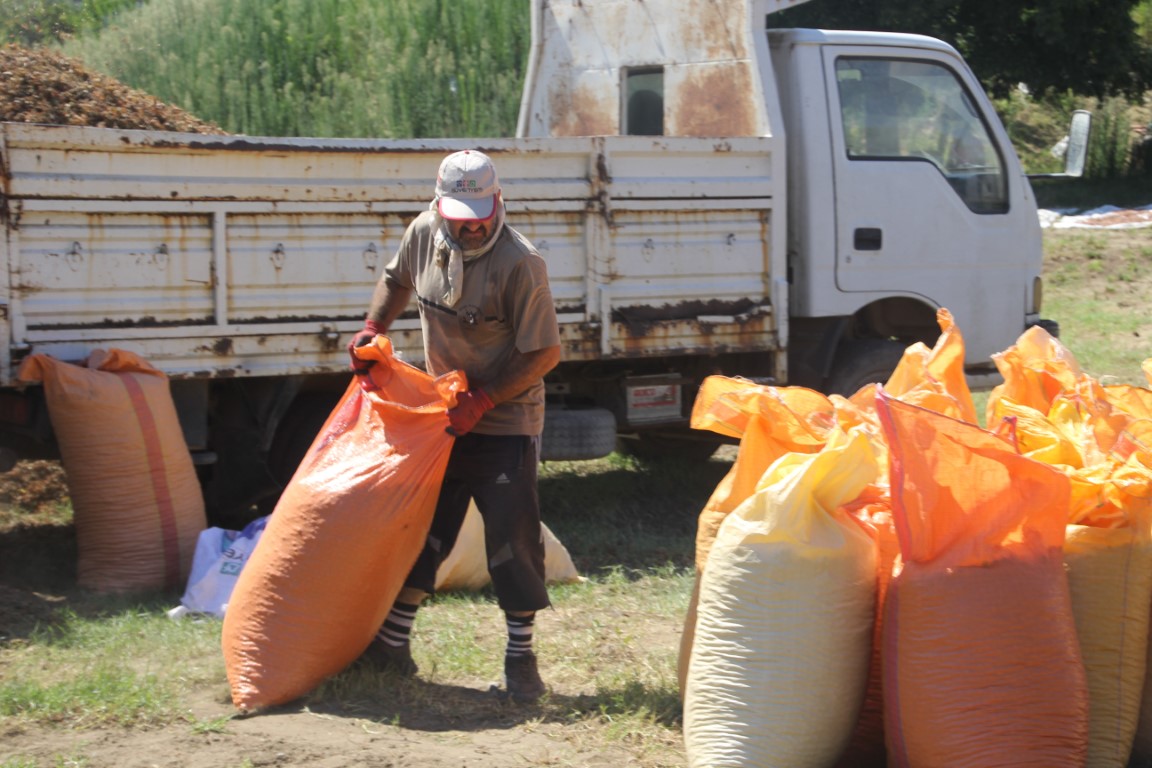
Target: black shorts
<point>499,472</point>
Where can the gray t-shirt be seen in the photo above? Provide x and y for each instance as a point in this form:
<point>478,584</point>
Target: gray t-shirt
<point>505,305</point>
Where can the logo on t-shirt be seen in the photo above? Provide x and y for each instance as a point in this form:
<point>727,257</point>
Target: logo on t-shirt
<point>469,316</point>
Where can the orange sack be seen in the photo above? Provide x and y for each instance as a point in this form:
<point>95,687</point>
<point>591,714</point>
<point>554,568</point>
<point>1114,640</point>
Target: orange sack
<point>136,501</point>
<point>343,536</point>
<point>982,664</point>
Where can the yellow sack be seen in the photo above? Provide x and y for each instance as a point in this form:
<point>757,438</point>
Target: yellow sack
<point>783,635</point>
<point>1110,578</point>
<point>1035,435</point>
<point>770,422</point>
<point>1036,370</point>
<point>136,501</point>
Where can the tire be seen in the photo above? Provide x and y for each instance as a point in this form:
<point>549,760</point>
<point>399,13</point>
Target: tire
<point>577,434</point>
<point>1051,326</point>
<point>687,445</point>
<point>297,430</point>
<point>860,362</point>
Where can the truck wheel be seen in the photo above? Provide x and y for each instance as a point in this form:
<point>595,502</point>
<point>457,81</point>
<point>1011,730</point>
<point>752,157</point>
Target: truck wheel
<point>863,361</point>
<point>686,444</point>
<point>575,434</point>
<point>1051,326</point>
<point>294,436</point>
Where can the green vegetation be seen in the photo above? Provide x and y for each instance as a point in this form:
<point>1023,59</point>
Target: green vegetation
<point>349,68</point>
<point>1084,46</point>
<point>1097,287</point>
<point>32,22</point>
<point>109,664</point>
<point>430,68</point>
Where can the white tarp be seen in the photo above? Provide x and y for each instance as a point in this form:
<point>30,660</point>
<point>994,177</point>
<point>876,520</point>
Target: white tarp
<point>1104,217</point>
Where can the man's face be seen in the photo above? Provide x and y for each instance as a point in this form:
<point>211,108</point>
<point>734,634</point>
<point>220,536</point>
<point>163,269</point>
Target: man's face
<point>470,233</point>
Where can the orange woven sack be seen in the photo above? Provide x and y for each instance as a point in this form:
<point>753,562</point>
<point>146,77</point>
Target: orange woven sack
<point>343,536</point>
<point>982,665</point>
<point>934,378</point>
<point>136,501</point>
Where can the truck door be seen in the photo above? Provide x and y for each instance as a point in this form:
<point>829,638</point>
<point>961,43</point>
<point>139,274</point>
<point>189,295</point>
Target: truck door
<point>922,202</point>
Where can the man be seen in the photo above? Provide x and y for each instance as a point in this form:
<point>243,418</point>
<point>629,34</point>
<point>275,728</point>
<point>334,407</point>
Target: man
<point>486,309</point>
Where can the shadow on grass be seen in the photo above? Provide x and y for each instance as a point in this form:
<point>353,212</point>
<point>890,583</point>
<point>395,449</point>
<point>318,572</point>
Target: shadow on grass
<point>430,706</point>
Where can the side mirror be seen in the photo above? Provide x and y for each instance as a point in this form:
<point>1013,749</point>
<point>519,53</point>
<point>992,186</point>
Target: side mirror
<point>1077,152</point>
<point>1076,149</point>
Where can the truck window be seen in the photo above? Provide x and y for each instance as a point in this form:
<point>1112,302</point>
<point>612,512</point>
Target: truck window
<point>920,111</point>
<point>644,101</point>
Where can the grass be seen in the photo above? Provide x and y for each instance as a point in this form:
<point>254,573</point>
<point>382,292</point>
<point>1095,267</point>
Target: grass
<point>108,664</point>
<point>610,642</point>
<point>1097,288</point>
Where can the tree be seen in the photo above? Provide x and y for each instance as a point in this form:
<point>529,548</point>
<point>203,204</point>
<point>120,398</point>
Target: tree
<point>1089,47</point>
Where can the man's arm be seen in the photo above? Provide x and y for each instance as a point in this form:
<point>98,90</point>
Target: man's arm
<point>522,371</point>
<point>388,301</point>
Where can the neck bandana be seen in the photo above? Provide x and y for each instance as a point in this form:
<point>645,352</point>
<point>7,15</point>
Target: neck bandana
<point>450,257</point>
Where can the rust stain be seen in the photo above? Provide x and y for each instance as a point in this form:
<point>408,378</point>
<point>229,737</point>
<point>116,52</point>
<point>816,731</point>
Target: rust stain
<point>581,111</point>
<point>222,346</point>
<point>140,322</point>
<point>714,101</point>
<point>716,31</point>
<point>640,317</point>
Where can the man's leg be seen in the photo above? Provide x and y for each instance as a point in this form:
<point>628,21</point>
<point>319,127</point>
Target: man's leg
<point>391,649</point>
<point>507,498</point>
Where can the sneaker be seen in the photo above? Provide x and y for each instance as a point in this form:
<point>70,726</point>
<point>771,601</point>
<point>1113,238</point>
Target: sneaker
<point>522,680</point>
<point>392,658</point>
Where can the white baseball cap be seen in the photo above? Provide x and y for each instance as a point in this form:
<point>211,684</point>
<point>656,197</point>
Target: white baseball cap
<point>466,186</point>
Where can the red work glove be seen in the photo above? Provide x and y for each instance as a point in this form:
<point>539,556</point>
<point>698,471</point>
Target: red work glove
<point>470,406</point>
<point>361,339</point>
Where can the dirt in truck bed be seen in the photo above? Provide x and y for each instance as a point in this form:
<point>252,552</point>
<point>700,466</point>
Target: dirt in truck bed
<point>39,85</point>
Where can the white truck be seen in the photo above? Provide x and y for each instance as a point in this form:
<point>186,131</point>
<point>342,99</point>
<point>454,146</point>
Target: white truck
<point>711,197</point>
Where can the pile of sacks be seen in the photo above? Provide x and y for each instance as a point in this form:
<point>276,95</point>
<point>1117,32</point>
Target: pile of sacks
<point>883,582</point>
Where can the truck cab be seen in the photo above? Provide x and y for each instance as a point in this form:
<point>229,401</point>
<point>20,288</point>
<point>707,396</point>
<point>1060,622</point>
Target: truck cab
<point>900,194</point>
<point>905,195</point>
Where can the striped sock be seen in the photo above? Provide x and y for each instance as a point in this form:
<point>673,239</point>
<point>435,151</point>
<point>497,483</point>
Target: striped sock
<point>398,626</point>
<point>519,634</point>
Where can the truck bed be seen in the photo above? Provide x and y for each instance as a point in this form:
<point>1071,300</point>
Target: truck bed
<point>238,256</point>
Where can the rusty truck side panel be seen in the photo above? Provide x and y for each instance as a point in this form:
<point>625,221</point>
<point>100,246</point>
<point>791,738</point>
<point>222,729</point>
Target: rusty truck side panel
<point>240,256</point>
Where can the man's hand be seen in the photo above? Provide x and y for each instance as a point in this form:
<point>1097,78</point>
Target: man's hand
<point>361,339</point>
<point>470,406</point>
